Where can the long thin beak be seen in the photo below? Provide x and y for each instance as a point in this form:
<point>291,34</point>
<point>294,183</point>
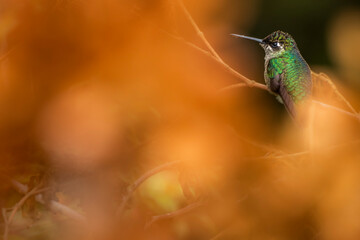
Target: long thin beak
<point>251,38</point>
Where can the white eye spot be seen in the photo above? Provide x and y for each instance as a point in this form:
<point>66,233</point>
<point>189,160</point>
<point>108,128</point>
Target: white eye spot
<point>275,45</point>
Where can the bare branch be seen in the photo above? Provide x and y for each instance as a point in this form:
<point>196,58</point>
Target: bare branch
<point>234,86</point>
<point>54,206</point>
<point>6,225</point>
<point>263,147</point>
<point>131,189</point>
<point>303,153</point>
<point>355,115</point>
<point>16,208</point>
<point>250,83</point>
<point>198,31</point>
<point>325,78</point>
<point>174,214</point>
<point>211,53</point>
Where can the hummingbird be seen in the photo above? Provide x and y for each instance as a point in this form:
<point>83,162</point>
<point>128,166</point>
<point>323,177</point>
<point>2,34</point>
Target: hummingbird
<point>287,75</point>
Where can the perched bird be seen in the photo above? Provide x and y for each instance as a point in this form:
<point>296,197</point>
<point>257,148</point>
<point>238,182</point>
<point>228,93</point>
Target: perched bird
<point>287,75</point>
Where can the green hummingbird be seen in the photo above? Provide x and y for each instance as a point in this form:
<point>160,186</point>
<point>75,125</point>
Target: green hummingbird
<point>287,75</point>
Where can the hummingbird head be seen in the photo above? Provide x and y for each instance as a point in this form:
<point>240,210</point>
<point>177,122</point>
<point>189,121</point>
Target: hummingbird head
<point>274,44</point>
<point>277,43</point>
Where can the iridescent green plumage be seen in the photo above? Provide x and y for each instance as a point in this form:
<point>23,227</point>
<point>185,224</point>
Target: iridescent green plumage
<point>296,74</point>
<point>287,74</point>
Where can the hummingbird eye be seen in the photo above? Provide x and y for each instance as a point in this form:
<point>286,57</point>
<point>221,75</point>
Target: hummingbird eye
<point>275,45</point>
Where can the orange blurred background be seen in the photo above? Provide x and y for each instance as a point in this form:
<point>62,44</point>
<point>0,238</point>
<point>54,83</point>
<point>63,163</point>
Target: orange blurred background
<point>95,94</point>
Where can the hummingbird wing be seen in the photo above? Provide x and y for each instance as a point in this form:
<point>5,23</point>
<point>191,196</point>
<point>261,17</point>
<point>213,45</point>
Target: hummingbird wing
<point>277,86</point>
<point>287,100</point>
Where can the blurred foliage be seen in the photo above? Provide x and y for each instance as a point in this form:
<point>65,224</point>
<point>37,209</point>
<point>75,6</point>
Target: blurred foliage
<point>162,193</point>
<point>95,94</point>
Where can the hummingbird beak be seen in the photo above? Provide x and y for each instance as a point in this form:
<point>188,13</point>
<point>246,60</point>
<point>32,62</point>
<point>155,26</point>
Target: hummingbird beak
<point>251,38</point>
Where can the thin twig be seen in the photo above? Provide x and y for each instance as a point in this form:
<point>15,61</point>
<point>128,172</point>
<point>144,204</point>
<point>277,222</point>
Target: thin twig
<point>355,115</point>
<point>198,31</point>
<point>8,222</point>
<point>6,225</point>
<point>291,155</point>
<point>325,78</point>
<point>131,189</point>
<point>181,39</point>
<point>250,83</point>
<point>174,214</point>
<point>247,81</point>
<point>263,147</point>
<point>54,206</point>
<point>298,154</point>
<point>233,86</point>
<point>3,213</point>
<point>34,191</point>
<point>212,54</point>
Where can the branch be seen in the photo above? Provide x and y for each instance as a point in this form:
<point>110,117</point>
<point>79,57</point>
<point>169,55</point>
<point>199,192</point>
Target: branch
<point>6,225</point>
<point>131,189</point>
<point>54,206</point>
<point>354,115</point>
<point>174,214</point>
<point>261,146</point>
<point>215,55</point>
<point>247,82</point>
<point>323,149</point>
<point>9,220</point>
<point>325,78</point>
<point>233,86</point>
<point>198,31</point>
<point>211,53</point>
